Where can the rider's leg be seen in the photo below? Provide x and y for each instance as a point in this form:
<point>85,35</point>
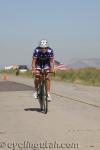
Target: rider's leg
<point>47,79</point>
<point>48,85</point>
<point>37,78</point>
<point>36,83</point>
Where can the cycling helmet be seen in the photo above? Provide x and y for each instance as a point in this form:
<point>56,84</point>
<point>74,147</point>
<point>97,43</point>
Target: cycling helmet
<point>43,44</point>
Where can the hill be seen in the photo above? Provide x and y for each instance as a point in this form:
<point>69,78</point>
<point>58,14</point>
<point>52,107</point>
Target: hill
<point>83,63</point>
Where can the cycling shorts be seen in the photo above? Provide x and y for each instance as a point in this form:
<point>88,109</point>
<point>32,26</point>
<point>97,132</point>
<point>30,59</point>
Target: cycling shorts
<point>46,66</point>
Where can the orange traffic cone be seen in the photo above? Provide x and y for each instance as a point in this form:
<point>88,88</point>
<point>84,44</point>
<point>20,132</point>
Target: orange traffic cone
<point>5,77</point>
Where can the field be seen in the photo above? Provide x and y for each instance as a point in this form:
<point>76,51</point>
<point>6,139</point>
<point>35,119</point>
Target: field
<point>88,76</point>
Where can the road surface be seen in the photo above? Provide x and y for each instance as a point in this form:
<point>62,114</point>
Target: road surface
<point>73,120</point>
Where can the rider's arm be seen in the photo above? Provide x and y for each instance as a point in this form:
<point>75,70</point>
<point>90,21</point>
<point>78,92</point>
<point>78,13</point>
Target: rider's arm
<point>52,61</point>
<point>52,64</point>
<point>34,58</point>
<point>33,63</point>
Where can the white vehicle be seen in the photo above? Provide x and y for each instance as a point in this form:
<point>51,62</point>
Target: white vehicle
<point>21,69</point>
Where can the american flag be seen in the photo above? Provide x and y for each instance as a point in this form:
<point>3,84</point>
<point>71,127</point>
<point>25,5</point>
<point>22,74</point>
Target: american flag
<point>59,65</point>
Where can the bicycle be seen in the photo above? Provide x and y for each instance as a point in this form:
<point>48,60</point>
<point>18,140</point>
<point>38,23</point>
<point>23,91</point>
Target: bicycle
<point>42,92</point>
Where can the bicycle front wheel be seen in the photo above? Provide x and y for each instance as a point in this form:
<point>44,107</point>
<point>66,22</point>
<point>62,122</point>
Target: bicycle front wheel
<point>45,101</point>
<point>43,97</point>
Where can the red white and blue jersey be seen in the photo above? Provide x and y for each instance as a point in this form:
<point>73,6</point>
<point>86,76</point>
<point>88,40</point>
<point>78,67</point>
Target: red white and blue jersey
<point>42,57</point>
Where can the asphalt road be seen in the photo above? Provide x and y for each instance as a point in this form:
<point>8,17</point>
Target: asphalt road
<point>73,120</point>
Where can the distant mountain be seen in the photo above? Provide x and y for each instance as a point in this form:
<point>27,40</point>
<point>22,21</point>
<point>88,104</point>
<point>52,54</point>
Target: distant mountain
<point>82,63</point>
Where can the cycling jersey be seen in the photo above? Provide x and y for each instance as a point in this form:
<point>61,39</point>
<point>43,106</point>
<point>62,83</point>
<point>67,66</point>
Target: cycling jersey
<point>43,58</point>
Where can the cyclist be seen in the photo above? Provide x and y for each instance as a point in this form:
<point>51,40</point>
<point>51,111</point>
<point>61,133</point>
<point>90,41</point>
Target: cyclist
<point>42,54</point>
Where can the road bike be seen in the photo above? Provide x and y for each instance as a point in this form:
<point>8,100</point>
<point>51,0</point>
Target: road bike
<point>42,92</point>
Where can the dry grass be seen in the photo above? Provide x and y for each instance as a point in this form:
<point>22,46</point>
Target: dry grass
<point>89,76</point>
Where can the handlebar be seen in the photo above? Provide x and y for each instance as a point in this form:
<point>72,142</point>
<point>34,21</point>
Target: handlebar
<point>43,71</point>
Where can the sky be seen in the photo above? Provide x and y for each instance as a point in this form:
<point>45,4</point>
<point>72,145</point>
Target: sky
<point>72,28</point>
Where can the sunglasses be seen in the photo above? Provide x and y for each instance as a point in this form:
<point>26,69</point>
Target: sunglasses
<point>43,48</point>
